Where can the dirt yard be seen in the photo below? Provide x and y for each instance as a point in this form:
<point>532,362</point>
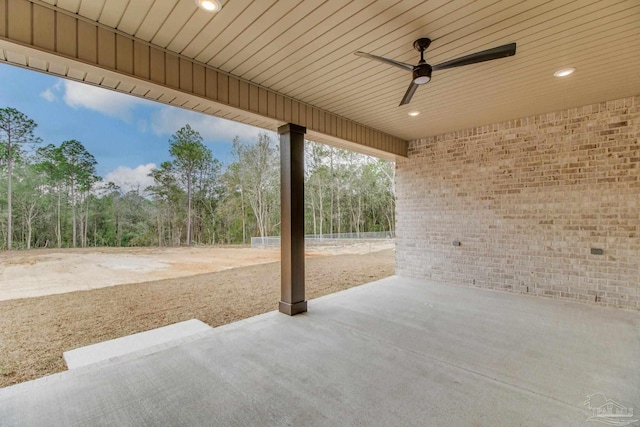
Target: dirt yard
<point>25,274</point>
<point>34,332</point>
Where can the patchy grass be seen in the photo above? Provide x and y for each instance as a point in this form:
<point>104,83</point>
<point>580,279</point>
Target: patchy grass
<point>34,332</point>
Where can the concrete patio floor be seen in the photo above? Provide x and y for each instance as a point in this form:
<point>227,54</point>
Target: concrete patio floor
<point>396,352</point>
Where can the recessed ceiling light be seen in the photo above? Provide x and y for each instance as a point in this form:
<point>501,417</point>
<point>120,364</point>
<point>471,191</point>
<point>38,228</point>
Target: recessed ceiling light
<point>564,72</point>
<point>414,113</point>
<point>209,5</point>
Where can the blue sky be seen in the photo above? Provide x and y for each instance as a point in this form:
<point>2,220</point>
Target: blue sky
<point>127,135</point>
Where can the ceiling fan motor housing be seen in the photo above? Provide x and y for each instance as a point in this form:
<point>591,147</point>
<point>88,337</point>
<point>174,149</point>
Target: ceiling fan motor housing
<point>422,74</point>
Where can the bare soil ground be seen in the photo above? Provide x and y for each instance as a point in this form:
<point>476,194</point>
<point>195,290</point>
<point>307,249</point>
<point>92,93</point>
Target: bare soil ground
<point>25,274</point>
<point>34,332</point>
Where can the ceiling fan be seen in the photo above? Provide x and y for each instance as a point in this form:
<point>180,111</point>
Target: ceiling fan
<point>422,71</point>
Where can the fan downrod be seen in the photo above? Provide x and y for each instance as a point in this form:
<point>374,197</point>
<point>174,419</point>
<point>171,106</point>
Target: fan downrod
<point>421,44</point>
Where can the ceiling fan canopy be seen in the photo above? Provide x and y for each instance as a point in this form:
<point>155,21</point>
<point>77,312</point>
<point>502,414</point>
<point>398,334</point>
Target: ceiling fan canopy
<point>422,71</point>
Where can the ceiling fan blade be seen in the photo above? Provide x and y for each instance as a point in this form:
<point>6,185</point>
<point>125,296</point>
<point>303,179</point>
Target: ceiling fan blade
<point>485,55</point>
<point>388,61</point>
<point>409,94</point>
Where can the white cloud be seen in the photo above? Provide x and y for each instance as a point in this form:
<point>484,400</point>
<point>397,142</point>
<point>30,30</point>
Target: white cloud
<point>142,126</point>
<point>131,178</point>
<point>105,101</point>
<point>165,120</point>
<point>168,120</point>
<point>49,95</point>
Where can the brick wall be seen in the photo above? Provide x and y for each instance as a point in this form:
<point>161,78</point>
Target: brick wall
<point>527,200</point>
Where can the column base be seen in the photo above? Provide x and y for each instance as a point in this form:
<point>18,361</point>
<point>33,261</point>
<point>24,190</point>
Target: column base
<point>292,309</point>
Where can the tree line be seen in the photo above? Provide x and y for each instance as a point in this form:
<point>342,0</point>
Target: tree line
<point>51,195</point>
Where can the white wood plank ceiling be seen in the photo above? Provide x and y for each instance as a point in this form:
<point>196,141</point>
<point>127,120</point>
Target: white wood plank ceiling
<point>304,50</point>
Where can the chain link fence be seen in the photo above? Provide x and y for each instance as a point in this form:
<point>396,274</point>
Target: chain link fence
<point>336,239</point>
